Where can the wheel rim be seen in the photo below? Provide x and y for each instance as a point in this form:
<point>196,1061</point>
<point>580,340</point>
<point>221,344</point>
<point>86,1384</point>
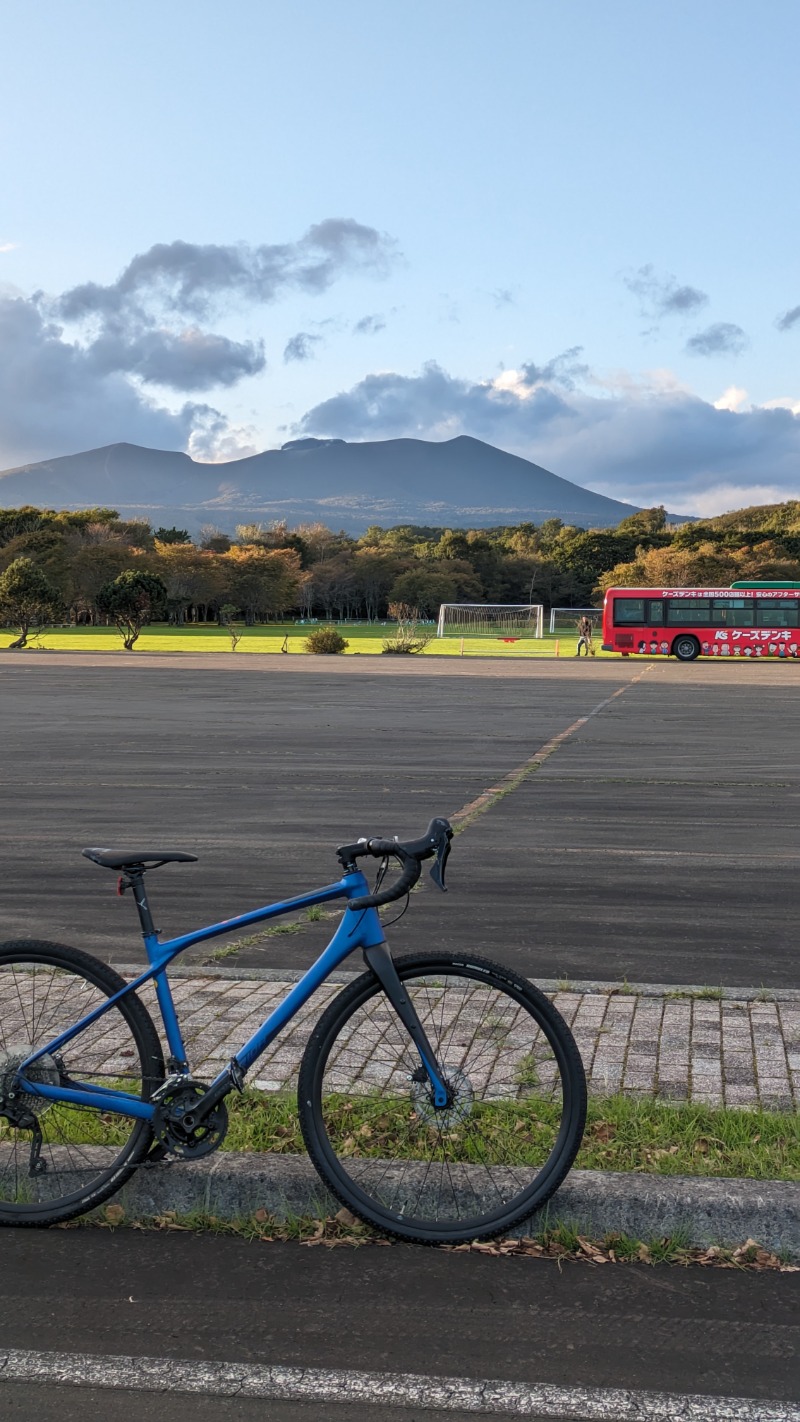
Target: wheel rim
<point>498,1146</point>
<point>81,1150</point>
<point>687,648</point>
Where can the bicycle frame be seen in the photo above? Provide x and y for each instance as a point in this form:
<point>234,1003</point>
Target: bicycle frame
<point>362,929</point>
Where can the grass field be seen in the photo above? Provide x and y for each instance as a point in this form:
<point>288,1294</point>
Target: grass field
<point>365,639</point>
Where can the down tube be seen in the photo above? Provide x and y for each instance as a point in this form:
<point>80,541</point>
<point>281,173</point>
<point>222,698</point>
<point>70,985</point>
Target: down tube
<point>365,932</point>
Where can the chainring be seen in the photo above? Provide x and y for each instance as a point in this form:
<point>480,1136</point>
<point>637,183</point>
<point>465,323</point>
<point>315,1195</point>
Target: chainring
<point>174,1127</point>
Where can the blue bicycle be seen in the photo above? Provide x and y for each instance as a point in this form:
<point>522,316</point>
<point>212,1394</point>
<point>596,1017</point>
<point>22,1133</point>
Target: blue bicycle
<point>441,1096</point>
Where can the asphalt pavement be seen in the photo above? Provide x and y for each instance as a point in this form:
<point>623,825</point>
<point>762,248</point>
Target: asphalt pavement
<point>659,842</point>
<point>395,1309</point>
<point>260,774</point>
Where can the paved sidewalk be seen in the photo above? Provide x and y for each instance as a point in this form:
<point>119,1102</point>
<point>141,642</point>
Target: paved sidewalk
<point>736,1051</point>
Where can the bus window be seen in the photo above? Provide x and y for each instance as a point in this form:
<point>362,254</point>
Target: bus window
<point>628,611</point>
<point>733,612</point>
<point>655,613</point>
<point>688,611</point>
<point>778,612</point>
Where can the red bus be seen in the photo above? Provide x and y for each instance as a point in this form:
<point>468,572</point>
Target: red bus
<point>703,622</point>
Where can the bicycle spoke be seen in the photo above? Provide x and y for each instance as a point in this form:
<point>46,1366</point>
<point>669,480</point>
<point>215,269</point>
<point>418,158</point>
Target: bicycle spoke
<point>55,1156</point>
<point>501,1054</point>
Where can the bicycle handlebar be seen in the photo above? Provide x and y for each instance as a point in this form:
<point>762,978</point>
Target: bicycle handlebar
<point>434,843</point>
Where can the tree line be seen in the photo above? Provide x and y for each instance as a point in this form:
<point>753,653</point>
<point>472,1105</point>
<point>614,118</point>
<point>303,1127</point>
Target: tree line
<point>83,567</point>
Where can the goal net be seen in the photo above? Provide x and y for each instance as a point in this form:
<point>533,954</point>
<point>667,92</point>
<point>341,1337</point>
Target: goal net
<point>566,619</point>
<point>481,619</point>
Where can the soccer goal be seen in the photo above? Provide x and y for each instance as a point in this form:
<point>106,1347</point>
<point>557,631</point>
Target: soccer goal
<point>566,619</point>
<point>482,619</point>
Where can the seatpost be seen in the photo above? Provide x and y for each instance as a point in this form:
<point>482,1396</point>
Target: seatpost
<point>135,878</point>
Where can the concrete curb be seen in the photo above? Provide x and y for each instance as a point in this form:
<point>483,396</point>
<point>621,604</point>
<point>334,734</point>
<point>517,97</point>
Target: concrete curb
<point>233,1186</point>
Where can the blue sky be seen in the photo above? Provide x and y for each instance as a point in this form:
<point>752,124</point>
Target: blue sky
<point>569,229</point>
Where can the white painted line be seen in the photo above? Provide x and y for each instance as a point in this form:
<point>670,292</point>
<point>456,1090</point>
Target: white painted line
<point>499,1399</point>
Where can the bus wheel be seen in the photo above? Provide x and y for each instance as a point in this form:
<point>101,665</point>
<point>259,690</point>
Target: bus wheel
<point>686,649</point>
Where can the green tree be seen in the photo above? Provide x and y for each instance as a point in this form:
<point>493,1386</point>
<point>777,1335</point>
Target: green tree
<point>27,599</point>
<point>425,588</point>
<point>132,600</point>
<point>644,521</point>
<point>374,574</point>
<point>262,582</point>
<point>172,535</point>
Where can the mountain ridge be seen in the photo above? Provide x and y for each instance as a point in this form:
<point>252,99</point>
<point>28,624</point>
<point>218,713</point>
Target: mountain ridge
<point>462,481</point>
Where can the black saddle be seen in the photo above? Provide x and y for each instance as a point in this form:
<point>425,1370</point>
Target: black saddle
<point>143,858</point>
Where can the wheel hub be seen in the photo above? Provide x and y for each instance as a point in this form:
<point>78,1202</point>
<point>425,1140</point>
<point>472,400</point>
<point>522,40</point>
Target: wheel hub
<point>459,1104</point>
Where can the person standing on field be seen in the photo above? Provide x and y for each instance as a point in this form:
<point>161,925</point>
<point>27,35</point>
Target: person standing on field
<point>585,637</point>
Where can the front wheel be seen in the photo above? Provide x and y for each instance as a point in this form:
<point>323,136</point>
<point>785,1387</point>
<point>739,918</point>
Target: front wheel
<point>515,1114</point>
<point>57,1159</point>
<point>686,648</point>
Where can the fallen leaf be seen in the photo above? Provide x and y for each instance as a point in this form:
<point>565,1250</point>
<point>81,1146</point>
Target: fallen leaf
<point>346,1217</point>
<point>603,1132</point>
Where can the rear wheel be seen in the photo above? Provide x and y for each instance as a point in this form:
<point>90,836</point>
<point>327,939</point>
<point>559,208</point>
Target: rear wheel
<point>515,1114</point>
<point>686,648</point>
<point>59,1160</point>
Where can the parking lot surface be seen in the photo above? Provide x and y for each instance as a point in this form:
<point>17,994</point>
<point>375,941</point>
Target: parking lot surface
<point>397,1309</point>
<point>660,841</point>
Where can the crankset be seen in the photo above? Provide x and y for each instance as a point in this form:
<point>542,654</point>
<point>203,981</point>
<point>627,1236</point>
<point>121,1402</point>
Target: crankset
<point>177,1126</point>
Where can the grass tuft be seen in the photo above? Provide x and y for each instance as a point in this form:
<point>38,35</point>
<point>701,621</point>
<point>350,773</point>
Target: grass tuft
<point>563,1240</point>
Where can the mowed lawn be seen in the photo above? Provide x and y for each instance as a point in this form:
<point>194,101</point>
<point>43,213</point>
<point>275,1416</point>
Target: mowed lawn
<point>365,639</point>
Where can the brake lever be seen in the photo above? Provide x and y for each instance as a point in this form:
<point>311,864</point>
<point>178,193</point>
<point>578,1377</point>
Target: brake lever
<point>442,856</point>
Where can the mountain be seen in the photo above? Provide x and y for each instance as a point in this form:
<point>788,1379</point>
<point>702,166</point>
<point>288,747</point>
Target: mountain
<point>458,482</point>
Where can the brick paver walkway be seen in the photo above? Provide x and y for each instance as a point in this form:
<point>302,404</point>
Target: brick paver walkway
<point>738,1052</point>
<point>673,1044</point>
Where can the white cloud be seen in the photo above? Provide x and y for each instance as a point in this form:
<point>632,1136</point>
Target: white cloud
<point>102,364</point>
<point>8,246</point>
<point>734,398</point>
<point>643,438</point>
<point>515,382</point>
<point>720,498</point>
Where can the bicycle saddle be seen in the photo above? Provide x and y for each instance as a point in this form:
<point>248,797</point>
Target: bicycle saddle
<point>124,858</point>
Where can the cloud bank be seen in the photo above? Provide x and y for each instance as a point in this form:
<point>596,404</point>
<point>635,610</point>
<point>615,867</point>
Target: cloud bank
<point>95,364</point>
<point>648,441</point>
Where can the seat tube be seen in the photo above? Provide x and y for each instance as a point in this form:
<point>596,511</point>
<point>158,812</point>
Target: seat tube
<point>177,1051</point>
<point>136,880</point>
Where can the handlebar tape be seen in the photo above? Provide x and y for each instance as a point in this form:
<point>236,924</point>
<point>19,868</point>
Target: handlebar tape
<point>410,854</point>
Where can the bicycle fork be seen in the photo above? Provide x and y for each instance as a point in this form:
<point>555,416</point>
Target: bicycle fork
<point>379,960</point>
